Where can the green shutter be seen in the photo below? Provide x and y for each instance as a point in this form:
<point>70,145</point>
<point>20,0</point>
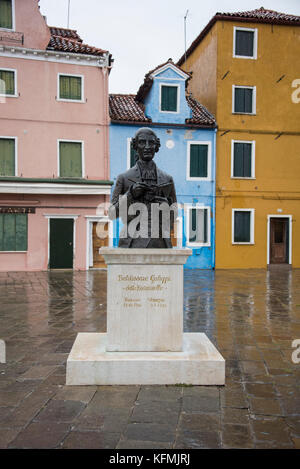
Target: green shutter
<point>8,77</point>
<point>6,14</point>
<point>242,159</point>
<point>1,231</point>
<point>133,155</point>
<point>169,98</point>
<point>244,41</point>
<point>70,159</point>
<point>243,98</point>
<point>242,226</point>
<point>21,232</point>
<point>70,87</point>
<point>198,160</point>
<point>9,238</point>
<point>7,157</point>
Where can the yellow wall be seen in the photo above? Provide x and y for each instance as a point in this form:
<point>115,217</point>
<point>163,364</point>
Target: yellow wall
<point>276,187</point>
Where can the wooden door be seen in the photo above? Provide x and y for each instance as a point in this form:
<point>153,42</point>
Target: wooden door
<point>98,242</point>
<point>61,243</point>
<point>279,240</point>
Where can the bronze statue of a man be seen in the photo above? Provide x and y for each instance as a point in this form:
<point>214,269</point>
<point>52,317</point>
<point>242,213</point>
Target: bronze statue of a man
<point>144,198</point>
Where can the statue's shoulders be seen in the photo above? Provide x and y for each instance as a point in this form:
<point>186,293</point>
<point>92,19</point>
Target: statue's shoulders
<point>131,172</point>
<point>163,175</point>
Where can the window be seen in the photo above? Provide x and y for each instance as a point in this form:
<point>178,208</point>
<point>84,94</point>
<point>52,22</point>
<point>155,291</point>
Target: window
<point>13,232</point>
<point>243,226</point>
<point>244,98</point>
<point>242,159</point>
<point>198,224</point>
<point>169,98</point>
<point>198,160</point>
<point>70,88</point>
<point>245,43</point>
<point>7,156</point>
<point>70,159</point>
<point>132,155</point>
<point>8,82</point>
<point>6,14</point>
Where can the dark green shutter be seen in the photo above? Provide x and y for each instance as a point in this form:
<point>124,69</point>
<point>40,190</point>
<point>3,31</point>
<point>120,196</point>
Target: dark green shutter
<point>133,155</point>
<point>7,157</point>
<point>243,98</point>
<point>242,159</point>
<point>70,159</point>
<point>13,232</point>
<point>6,14</point>
<point>244,41</point>
<point>198,160</point>
<point>169,98</point>
<point>70,87</point>
<point>242,227</point>
<point>9,82</point>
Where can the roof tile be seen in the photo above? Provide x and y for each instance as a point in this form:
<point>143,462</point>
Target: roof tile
<point>68,40</point>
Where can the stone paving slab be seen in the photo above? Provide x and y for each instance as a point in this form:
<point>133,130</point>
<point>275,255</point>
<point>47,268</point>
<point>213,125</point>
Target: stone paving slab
<point>252,317</point>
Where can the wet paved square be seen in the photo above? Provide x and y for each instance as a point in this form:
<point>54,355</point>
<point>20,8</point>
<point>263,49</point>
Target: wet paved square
<point>251,316</point>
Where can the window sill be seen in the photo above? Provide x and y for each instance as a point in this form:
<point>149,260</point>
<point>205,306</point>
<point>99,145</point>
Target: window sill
<point>78,101</point>
<point>242,244</point>
<point>9,96</point>
<point>11,30</point>
<point>241,178</point>
<point>198,245</point>
<point>198,179</point>
<point>244,113</point>
<point>169,112</point>
<point>13,252</point>
<point>244,57</point>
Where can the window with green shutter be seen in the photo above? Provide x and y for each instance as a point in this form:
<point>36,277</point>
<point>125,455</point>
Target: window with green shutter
<point>13,232</point>
<point>243,100</point>
<point>198,225</point>
<point>169,98</point>
<point>70,87</point>
<point>242,226</point>
<point>7,82</point>
<point>7,156</point>
<point>6,20</point>
<point>198,161</point>
<point>70,159</point>
<point>133,155</point>
<point>244,43</point>
<point>242,159</point>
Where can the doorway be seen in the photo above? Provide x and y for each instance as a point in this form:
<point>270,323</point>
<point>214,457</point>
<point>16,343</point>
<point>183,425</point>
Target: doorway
<point>61,248</point>
<point>279,240</point>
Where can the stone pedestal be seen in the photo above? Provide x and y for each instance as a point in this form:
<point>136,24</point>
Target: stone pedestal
<point>144,343</point>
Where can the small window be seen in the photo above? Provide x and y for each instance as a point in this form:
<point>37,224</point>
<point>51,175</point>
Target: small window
<point>242,159</point>
<point>7,83</point>
<point>70,159</point>
<point>133,156</point>
<point>245,43</point>
<point>243,231</point>
<point>244,100</point>
<point>70,88</point>
<point>198,226</point>
<point>169,98</point>
<point>198,160</point>
<point>13,232</point>
<point>6,14</point>
<point>7,157</point>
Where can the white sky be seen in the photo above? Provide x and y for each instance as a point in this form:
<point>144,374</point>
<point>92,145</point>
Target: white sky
<point>142,34</point>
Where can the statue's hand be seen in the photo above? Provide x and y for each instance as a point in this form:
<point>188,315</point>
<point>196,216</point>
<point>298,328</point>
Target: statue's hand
<point>138,189</point>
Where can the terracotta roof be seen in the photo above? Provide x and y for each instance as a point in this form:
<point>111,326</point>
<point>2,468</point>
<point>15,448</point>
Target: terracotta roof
<point>260,15</point>
<point>68,40</point>
<point>126,108</point>
<point>148,80</point>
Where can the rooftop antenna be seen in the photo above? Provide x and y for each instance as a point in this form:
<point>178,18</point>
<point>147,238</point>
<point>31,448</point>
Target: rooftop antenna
<point>69,13</point>
<point>185,38</point>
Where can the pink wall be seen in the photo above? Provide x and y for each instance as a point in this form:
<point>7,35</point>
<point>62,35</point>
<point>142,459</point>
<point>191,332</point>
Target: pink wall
<point>31,23</point>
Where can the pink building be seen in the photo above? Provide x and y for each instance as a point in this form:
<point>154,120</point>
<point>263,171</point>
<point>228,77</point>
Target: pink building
<point>54,155</point>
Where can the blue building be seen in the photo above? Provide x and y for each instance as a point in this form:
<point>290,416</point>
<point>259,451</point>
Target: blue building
<point>187,134</point>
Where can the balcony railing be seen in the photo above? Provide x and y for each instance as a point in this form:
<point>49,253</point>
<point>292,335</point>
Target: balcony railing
<point>11,38</point>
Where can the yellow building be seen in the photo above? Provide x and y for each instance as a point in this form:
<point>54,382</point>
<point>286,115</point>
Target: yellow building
<point>246,71</point>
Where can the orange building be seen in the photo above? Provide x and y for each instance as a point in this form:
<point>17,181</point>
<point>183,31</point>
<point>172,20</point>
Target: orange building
<point>246,71</point>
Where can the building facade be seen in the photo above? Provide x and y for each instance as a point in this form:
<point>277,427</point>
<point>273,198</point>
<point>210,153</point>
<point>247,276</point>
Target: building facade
<point>246,71</point>
<point>54,143</point>
<point>187,135</point>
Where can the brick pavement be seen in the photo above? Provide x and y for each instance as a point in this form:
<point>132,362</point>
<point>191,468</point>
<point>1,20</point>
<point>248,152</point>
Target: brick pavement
<point>251,316</point>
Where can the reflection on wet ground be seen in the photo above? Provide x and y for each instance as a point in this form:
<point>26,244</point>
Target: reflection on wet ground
<point>251,316</point>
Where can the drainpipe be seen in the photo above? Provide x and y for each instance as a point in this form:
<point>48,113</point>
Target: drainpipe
<point>214,200</point>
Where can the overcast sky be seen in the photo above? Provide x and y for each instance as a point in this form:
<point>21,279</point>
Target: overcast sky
<point>142,34</point>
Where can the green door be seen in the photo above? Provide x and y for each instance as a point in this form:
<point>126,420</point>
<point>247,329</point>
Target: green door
<point>61,243</point>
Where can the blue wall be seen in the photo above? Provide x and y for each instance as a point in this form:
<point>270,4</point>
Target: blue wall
<point>172,158</point>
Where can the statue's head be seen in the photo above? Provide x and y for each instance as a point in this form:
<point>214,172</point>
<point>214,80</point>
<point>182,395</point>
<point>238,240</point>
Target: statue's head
<point>145,143</point>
